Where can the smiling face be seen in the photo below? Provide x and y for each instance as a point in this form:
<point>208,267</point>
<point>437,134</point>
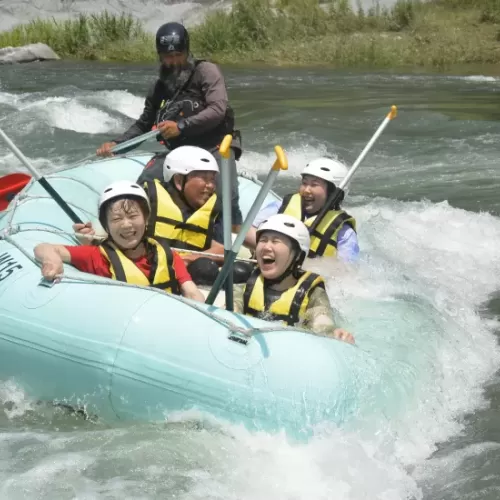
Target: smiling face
<point>314,193</point>
<point>126,223</point>
<point>199,186</point>
<point>274,253</point>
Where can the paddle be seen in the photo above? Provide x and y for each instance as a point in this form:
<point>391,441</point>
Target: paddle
<point>123,145</point>
<point>281,163</point>
<point>43,182</point>
<point>10,185</point>
<point>225,152</point>
<point>147,135</point>
<point>339,190</point>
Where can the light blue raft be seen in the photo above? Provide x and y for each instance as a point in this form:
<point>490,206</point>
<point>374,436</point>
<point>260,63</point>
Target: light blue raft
<point>137,354</point>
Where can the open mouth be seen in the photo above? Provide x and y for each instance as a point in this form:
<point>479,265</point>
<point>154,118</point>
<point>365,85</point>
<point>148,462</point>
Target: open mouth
<point>268,260</point>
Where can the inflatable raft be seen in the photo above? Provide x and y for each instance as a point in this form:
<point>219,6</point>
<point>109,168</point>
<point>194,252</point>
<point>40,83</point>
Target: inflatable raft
<point>132,353</point>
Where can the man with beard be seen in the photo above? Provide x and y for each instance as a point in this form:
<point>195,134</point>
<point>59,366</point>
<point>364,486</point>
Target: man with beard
<point>188,104</point>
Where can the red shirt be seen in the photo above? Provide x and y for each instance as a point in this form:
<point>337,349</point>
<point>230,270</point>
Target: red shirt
<point>89,259</point>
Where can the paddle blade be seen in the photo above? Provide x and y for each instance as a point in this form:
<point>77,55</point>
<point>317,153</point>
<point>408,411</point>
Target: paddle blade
<point>10,185</point>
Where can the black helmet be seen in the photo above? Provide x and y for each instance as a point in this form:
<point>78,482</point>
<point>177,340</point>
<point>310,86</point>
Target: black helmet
<point>172,37</point>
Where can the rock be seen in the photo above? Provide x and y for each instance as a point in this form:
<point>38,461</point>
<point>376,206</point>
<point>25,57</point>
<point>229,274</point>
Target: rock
<point>27,53</point>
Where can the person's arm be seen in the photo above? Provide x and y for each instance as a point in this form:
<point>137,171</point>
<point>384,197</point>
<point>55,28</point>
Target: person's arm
<point>266,212</point>
<point>214,91</point>
<point>186,284</point>
<point>319,317</point>
<point>142,125</point>
<point>347,244</point>
<point>216,246</point>
<point>83,233</point>
<point>191,291</point>
<point>51,257</point>
<point>238,291</point>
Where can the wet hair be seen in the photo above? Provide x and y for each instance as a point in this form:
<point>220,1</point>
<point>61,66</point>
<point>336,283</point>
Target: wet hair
<point>127,206</point>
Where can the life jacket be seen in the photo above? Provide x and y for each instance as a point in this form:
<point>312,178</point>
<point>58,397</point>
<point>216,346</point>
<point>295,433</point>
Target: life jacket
<point>290,307</point>
<point>168,222</point>
<point>324,237</point>
<point>162,273</point>
<point>189,101</point>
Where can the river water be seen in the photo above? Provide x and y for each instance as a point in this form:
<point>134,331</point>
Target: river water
<point>426,201</point>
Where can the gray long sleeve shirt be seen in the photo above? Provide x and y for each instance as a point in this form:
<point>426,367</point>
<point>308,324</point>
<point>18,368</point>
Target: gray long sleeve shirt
<point>207,84</point>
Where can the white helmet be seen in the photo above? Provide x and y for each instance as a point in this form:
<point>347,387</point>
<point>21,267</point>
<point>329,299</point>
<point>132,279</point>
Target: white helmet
<point>118,189</point>
<point>186,159</point>
<point>289,226</point>
<point>327,169</point>
<point>122,188</point>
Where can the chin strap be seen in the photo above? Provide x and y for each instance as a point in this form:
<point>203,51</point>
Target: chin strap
<point>180,192</point>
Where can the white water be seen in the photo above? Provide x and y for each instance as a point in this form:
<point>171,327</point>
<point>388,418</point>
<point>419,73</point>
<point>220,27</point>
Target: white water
<point>425,271</point>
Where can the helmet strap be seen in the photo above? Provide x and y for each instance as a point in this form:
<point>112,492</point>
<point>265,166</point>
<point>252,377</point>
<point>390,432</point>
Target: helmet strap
<point>180,191</point>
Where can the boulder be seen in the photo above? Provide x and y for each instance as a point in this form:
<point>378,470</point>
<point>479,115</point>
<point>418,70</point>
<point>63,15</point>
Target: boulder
<point>27,53</point>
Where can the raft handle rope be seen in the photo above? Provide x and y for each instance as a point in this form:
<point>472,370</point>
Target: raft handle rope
<point>236,333</point>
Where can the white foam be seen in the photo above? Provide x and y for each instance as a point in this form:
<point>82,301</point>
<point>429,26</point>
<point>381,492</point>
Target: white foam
<point>445,261</point>
<point>70,114</point>
<point>93,113</point>
<point>298,157</point>
<point>14,396</point>
<point>119,100</point>
<point>8,98</point>
<point>433,266</point>
<point>10,163</point>
<point>479,78</point>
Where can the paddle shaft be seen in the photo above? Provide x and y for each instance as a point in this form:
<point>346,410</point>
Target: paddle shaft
<point>42,181</point>
<point>225,152</point>
<point>57,198</point>
<point>339,190</point>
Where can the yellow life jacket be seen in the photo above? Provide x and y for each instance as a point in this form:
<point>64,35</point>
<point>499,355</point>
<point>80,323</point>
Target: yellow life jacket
<point>290,307</point>
<point>162,273</point>
<point>324,237</point>
<point>167,221</point>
